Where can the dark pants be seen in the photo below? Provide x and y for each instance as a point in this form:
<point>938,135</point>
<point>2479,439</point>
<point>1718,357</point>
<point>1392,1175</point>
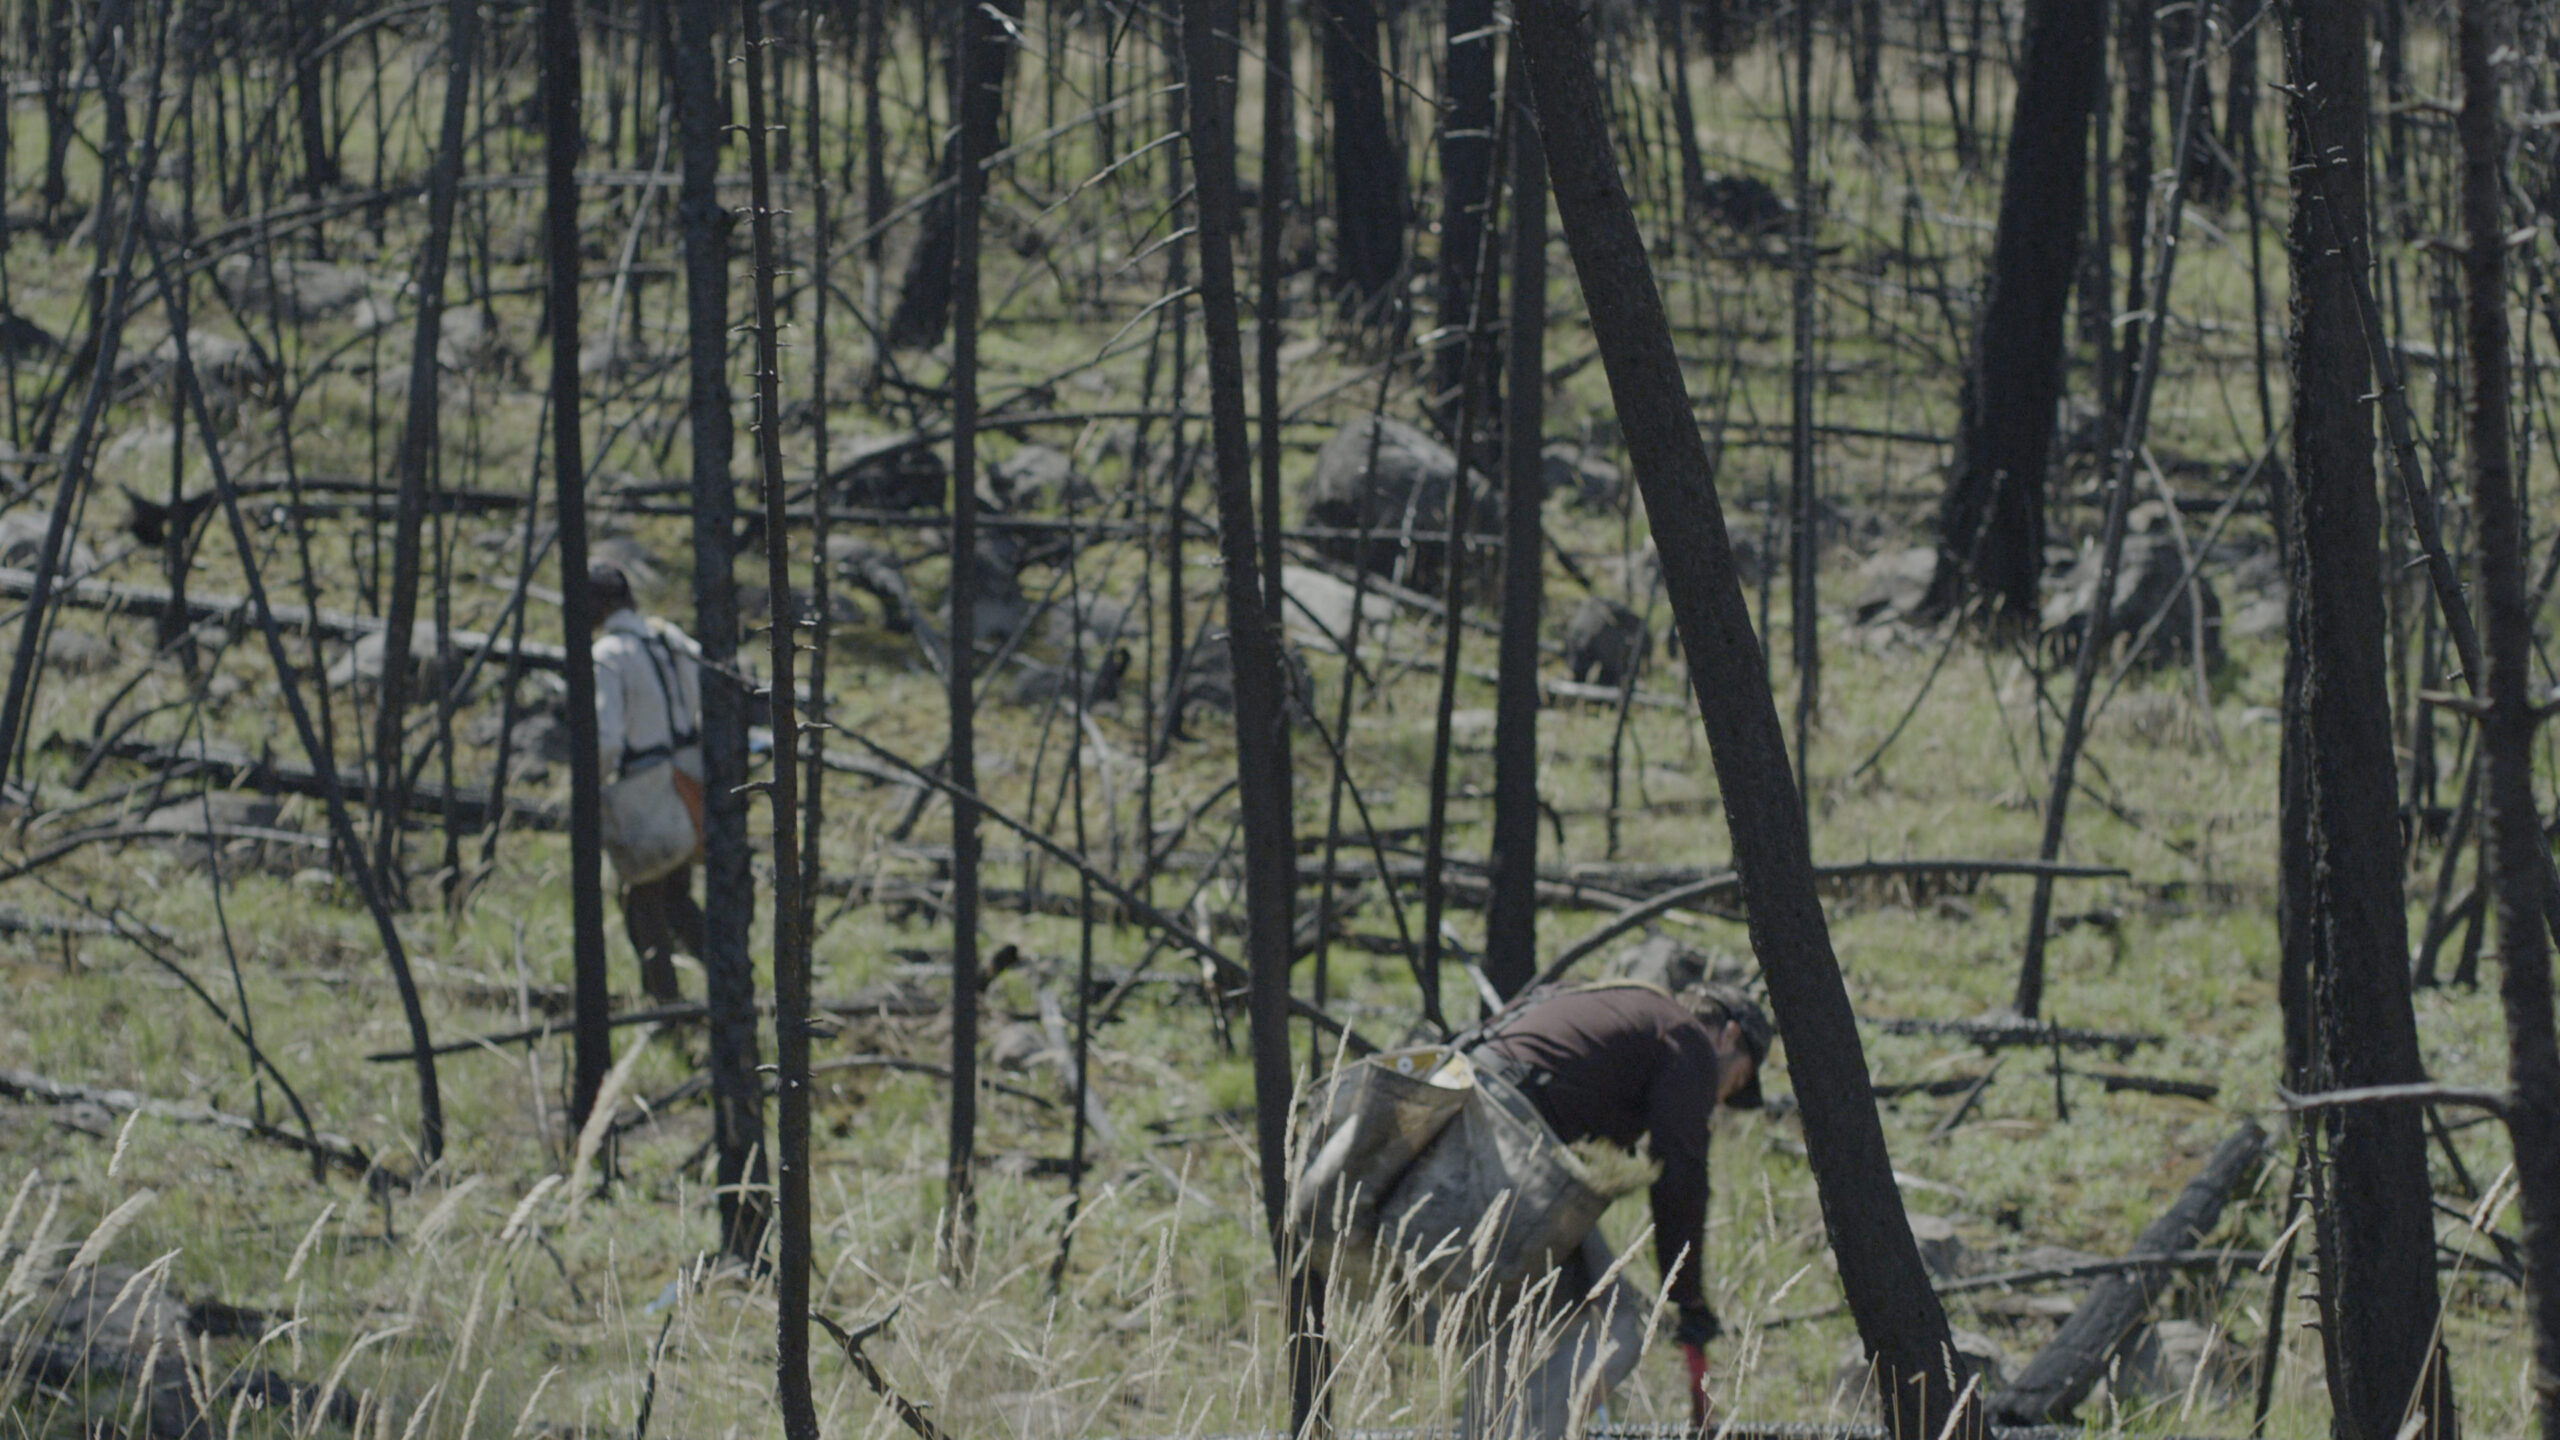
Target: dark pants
<point>661,918</point>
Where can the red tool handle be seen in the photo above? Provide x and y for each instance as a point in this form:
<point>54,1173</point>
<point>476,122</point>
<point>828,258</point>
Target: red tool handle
<point>1701,1410</point>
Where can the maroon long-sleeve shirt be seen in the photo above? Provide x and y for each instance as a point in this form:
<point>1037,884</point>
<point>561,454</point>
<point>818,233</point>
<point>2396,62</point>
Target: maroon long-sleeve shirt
<point>1623,1063</point>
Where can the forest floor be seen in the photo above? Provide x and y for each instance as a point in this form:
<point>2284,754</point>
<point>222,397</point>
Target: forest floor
<point>485,1297</point>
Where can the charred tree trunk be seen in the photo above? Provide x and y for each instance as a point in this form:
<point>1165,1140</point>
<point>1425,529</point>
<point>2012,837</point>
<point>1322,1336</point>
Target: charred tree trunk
<point>2344,929</point>
<point>1899,1317</point>
<point>925,297</point>
<point>982,41</point>
<point>1511,912</point>
<point>416,458</point>
<point>1279,197</point>
<point>1368,168</point>
<point>1991,525</point>
<point>2137,22</point>
<point>311,101</point>
<point>729,895</point>
<point>1466,163</point>
<point>790,932</point>
<point>2519,857</point>
<point>562,141</point>
<point>1253,631</point>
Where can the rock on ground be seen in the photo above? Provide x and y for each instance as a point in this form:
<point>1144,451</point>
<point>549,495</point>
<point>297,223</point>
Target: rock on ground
<point>1384,476</point>
<point>2146,580</point>
<point>1605,642</point>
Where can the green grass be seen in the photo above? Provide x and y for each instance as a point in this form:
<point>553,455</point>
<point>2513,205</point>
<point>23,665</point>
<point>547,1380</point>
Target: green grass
<point>1165,1320</point>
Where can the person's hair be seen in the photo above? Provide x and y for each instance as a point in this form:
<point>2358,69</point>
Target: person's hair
<point>1717,1003</point>
<point>608,587</point>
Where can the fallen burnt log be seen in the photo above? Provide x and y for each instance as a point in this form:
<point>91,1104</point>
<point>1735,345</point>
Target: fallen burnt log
<point>32,1088</point>
<point>1727,885</point>
<point>892,999</point>
<point>2011,1034</point>
<point>237,769</point>
<point>148,520</point>
<point>2061,1375</point>
<point>152,602</point>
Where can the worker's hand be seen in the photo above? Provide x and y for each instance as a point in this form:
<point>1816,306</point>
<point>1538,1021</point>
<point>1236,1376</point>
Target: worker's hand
<point>1698,1325</point>
<point>1702,1409</point>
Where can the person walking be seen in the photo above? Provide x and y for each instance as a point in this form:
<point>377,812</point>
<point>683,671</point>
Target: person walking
<point>649,742</point>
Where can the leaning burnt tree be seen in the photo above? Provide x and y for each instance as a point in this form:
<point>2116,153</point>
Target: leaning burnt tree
<point>1991,523</point>
<point>1253,631</point>
<point>923,313</point>
<point>728,889</point>
<point>2518,856</point>
<point>1899,1316</point>
<point>2340,912</point>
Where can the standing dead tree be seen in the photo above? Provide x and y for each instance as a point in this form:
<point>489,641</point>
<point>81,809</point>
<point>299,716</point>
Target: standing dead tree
<point>1510,921</point>
<point>415,459</point>
<point>1899,1317</point>
<point>2518,856</point>
<point>1991,523</point>
<point>1253,635</point>
<point>790,918</point>
<point>729,983</point>
<point>983,42</point>
<point>562,139</point>
<point>1368,167</point>
<point>2344,982</point>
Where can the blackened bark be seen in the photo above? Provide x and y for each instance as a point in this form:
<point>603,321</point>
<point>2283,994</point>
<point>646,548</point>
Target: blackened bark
<point>1673,18</point>
<point>1866,61</point>
<point>310,101</point>
<point>925,297</point>
<point>1991,526</point>
<point>982,43</point>
<point>790,932</point>
<point>1279,196</point>
<point>1466,162</point>
<point>2340,913</point>
<point>1511,910</point>
<point>1261,716</point>
<point>415,459</point>
<point>562,141</point>
<point>1368,168</point>
<point>2518,855</point>
<point>2136,56</point>
<point>728,900</point>
<point>1899,1317</point>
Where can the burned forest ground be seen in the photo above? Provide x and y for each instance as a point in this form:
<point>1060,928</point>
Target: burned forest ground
<point>489,1295</point>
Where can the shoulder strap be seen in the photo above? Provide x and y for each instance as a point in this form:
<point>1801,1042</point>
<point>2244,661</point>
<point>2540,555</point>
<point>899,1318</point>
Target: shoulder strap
<point>680,732</point>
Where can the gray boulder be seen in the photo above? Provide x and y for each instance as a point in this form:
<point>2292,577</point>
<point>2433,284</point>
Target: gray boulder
<point>1605,642</point>
<point>294,290</point>
<point>888,472</point>
<point>1038,477</point>
<point>1388,478</point>
<point>2147,579</point>
<point>1894,584</point>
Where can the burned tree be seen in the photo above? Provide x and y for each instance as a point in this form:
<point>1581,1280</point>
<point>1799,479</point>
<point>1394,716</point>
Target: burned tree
<point>1510,921</point>
<point>728,910</point>
<point>1899,1317</point>
<point>2518,856</point>
<point>1991,523</point>
<point>2341,916</point>
<point>1253,631</point>
<point>1368,165</point>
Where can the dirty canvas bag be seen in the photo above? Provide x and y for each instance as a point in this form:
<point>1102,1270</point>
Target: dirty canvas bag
<point>1362,1127</point>
<point>1495,1199</point>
